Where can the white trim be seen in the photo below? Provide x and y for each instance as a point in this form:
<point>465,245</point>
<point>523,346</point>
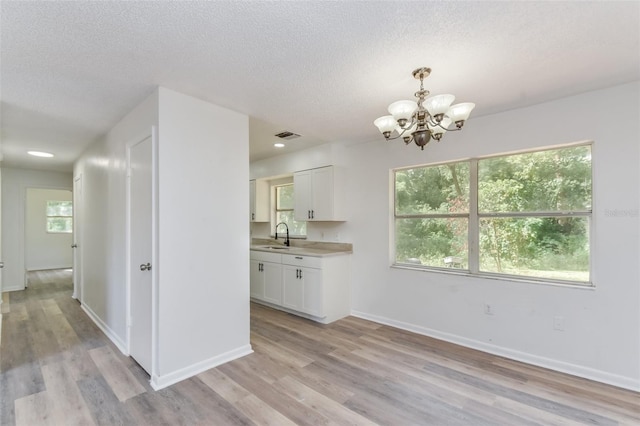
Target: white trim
<point>553,364</point>
<point>160,382</point>
<point>49,268</point>
<point>78,225</point>
<point>155,248</point>
<point>105,329</point>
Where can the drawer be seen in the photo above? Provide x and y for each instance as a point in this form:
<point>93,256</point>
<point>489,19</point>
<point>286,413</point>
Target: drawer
<point>301,260</point>
<point>265,256</point>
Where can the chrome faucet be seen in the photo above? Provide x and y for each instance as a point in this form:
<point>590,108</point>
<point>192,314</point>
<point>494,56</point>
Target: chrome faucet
<point>286,241</point>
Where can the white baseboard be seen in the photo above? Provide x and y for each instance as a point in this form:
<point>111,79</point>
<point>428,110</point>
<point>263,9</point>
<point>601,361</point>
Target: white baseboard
<point>106,330</point>
<point>14,288</point>
<point>160,382</point>
<point>553,364</point>
<point>47,268</point>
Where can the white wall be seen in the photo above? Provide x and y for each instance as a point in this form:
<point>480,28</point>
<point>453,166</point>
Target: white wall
<point>45,250</point>
<point>14,189</point>
<point>601,339</point>
<point>202,265</point>
<point>103,168</point>
<point>204,252</point>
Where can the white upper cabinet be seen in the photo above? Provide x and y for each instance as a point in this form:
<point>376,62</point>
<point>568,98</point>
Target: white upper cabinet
<point>258,200</point>
<point>319,194</point>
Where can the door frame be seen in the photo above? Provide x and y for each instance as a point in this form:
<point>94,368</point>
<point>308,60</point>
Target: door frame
<point>78,278</point>
<point>154,245</point>
<point>25,190</point>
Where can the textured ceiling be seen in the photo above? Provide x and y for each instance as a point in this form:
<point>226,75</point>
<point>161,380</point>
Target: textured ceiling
<point>71,70</point>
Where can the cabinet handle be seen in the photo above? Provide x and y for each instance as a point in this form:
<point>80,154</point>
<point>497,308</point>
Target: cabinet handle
<point>297,273</point>
<point>300,274</point>
<point>253,216</point>
<point>312,214</point>
<point>299,257</point>
<point>308,214</point>
<point>260,267</point>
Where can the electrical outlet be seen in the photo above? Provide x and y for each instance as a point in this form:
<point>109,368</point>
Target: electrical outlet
<point>488,309</point>
<point>558,323</point>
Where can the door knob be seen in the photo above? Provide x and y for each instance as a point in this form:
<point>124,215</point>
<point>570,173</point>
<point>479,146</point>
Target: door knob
<point>145,267</point>
<point>74,245</point>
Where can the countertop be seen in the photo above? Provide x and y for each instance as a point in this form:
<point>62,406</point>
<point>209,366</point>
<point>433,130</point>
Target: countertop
<point>304,248</point>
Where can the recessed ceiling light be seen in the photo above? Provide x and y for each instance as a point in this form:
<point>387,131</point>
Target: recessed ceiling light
<point>40,154</point>
<point>278,145</point>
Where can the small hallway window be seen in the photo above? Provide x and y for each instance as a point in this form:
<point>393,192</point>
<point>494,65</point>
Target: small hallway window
<point>59,217</point>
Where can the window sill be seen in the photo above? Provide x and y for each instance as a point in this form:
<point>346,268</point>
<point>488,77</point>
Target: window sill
<point>495,277</point>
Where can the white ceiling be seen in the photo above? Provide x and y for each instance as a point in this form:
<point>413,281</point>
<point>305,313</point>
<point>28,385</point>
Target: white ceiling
<point>71,70</point>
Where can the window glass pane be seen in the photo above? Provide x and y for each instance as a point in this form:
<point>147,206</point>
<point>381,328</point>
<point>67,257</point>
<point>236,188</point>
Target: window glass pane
<point>543,247</point>
<point>59,208</point>
<point>432,242</point>
<point>284,197</point>
<point>295,227</point>
<point>59,224</point>
<point>433,189</point>
<point>555,180</point>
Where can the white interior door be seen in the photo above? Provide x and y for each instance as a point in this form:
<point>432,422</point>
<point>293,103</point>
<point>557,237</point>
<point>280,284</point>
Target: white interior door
<point>140,252</point>
<point>77,238</point>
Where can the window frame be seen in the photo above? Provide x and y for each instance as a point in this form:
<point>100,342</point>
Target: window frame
<point>474,217</point>
<point>276,210</point>
<point>48,216</point>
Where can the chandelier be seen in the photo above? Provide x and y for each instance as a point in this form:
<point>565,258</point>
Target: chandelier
<point>425,119</point>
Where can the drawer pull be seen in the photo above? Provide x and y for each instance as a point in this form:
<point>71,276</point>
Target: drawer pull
<point>299,257</point>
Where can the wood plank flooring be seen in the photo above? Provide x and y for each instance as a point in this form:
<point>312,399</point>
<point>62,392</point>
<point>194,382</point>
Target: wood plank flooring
<point>57,368</point>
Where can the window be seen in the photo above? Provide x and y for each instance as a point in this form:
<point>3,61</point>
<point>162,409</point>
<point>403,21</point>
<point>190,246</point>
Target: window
<point>532,217</point>
<point>59,216</point>
<point>284,211</point>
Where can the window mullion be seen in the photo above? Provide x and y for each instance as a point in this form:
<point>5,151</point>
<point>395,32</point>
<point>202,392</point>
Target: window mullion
<point>474,221</point>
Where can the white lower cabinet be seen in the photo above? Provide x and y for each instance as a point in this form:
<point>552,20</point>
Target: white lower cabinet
<point>265,277</point>
<point>272,282</point>
<point>302,289</point>
<point>256,280</point>
<point>314,287</point>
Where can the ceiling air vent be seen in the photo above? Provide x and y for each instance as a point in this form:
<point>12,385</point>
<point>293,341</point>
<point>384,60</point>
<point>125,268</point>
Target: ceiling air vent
<point>287,135</point>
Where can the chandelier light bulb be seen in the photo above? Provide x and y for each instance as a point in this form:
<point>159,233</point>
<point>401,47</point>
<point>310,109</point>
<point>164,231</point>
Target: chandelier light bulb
<point>439,104</point>
<point>459,113</point>
<point>386,125</point>
<point>402,111</point>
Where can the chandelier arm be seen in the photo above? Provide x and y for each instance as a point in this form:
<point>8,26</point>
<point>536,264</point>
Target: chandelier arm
<point>394,138</point>
<point>408,126</point>
<point>434,124</point>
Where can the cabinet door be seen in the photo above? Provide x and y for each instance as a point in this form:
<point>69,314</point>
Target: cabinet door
<point>312,292</point>
<point>322,194</point>
<point>258,200</point>
<point>252,200</point>
<point>256,280</point>
<point>272,273</point>
<point>302,195</point>
<point>292,296</point>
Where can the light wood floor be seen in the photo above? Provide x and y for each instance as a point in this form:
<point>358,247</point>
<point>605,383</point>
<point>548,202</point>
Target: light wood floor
<point>56,367</point>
